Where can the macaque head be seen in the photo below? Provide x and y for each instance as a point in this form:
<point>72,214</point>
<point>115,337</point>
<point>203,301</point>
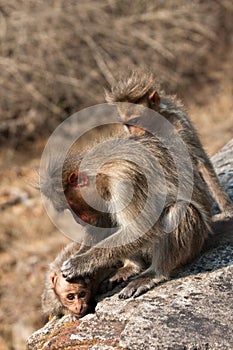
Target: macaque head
<point>133,92</point>
<point>136,107</point>
<point>53,187</point>
<point>75,296</point>
<point>75,181</point>
<point>80,185</point>
<point>84,213</point>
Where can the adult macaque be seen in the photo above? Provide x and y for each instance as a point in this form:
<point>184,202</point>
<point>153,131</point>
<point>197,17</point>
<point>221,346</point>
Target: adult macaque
<point>136,177</point>
<point>140,89</point>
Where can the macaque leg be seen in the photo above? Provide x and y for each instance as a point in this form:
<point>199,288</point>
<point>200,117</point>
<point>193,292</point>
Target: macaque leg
<point>132,267</point>
<point>147,279</point>
<point>213,183</point>
<point>172,249</point>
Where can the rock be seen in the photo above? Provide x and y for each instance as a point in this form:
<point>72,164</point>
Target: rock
<point>191,312</point>
<point>223,162</point>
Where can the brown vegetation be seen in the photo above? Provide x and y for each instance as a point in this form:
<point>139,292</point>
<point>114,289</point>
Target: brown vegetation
<point>57,56</point>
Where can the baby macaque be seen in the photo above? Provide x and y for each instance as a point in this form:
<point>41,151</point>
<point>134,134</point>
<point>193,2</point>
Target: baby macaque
<point>76,297</point>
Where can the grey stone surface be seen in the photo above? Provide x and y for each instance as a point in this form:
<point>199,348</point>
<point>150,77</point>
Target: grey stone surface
<point>190,312</point>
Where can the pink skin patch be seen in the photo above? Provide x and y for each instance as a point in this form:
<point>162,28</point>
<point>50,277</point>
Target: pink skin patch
<point>76,179</point>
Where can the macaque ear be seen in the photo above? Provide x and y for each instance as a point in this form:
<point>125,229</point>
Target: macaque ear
<point>77,179</point>
<point>154,99</point>
<point>73,178</point>
<point>53,279</point>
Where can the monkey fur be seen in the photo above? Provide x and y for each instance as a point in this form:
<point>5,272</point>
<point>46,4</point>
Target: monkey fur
<point>52,304</point>
<point>173,240</point>
<point>76,297</point>
<point>139,88</point>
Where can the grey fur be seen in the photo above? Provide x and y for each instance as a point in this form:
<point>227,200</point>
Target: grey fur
<point>135,88</point>
<point>167,250</point>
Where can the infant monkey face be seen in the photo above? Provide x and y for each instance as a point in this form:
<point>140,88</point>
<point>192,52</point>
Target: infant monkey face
<point>75,296</point>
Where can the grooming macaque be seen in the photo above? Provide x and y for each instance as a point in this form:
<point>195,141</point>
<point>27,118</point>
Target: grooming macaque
<point>140,89</point>
<point>136,177</point>
<point>76,297</point>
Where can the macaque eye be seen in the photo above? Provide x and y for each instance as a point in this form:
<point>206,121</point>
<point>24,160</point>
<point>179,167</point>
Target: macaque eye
<point>70,296</point>
<point>82,294</point>
<point>76,179</point>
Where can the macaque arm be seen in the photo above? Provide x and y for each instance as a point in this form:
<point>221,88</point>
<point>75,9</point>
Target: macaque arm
<point>106,253</point>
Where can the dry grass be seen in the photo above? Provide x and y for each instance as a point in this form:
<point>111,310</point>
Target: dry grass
<point>214,119</point>
<point>57,56</point>
<point>27,247</point>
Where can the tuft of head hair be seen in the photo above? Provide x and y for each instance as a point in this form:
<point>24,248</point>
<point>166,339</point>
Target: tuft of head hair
<point>131,86</point>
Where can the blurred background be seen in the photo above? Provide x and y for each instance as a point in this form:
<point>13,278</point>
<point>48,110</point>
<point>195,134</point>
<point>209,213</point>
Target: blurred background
<point>56,57</point>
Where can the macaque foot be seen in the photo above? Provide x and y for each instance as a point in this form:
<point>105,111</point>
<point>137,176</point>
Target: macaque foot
<point>123,274</point>
<point>139,286</point>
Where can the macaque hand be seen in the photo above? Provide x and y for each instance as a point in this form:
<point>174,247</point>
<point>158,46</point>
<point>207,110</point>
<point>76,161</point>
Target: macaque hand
<point>79,265</point>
